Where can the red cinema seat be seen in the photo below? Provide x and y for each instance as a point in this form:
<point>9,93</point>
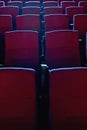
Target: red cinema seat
<point>63,0</point>
<point>10,10</point>
<point>52,10</point>
<point>32,3</point>
<point>84,4</point>
<point>6,1</point>
<point>80,24</point>
<point>49,0</point>
<point>15,3</point>
<point>5,23</point>
<point>65,4</point>
<point>18,0</point>
<point>62,48</point>
<point>28,22</point>
<point>72,10</point>
<point>22,48</point>
<point>68,99</point>
<point>77,1</point>
<point>50,3</point>
<point>17,99</point>
<point>56,21</point>
<point>31,10</point>
<point>2,3</point>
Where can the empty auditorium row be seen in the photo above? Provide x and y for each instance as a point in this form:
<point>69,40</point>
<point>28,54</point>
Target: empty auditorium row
<point>21,3</point>
<point>66,107</point>
<point>22,48</point>
<point>59,40</point>
<point>62,6</point>
<point>43,65</point>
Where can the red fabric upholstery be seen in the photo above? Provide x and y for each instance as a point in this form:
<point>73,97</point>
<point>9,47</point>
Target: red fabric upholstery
<point>28,22</point>
<point>6,0</point>
<point>56,21</point>
<point>32,3</point>
<point>52,10</point>
<point>68,99</point>
<point>15,3</point>
<point>65,4</point>
<point>50,3</point>
<point>80,23</point>
<point>62,48</point>
<point>63,0</point>
<point>22,48</point>
<point>9,10</point>
<point>2,3</point>
<point>5,23</point>
<point>72,10</point>
<point>77,1</point>
<point>31,10</point>
<point>84,4</point>
<point>17,99</point>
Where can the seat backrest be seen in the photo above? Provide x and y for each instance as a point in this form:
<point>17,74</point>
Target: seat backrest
<point>86,45</point>
<point>65,4</point>
<point>63,0</point>
<point>62,48</point>
<point>68,97</point>
<point>84,4</point>
<point>5,23</point>
<point>15,3</point>
<point>50,3</point>
<point>77,1</point>
<point>2,3</point>
<point>80,23</point>
<point>52,10</point>
<point>28,22</point>
<point>32,3</point>
<point>6,1</point>
<point>56,21</point>
<point>12,10</point>
<point>72,10</point>
<point>49,0</point>
<point>31,10</point>
<point>19,0</point>
<point>22,48</point>
<point>18,98</point>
